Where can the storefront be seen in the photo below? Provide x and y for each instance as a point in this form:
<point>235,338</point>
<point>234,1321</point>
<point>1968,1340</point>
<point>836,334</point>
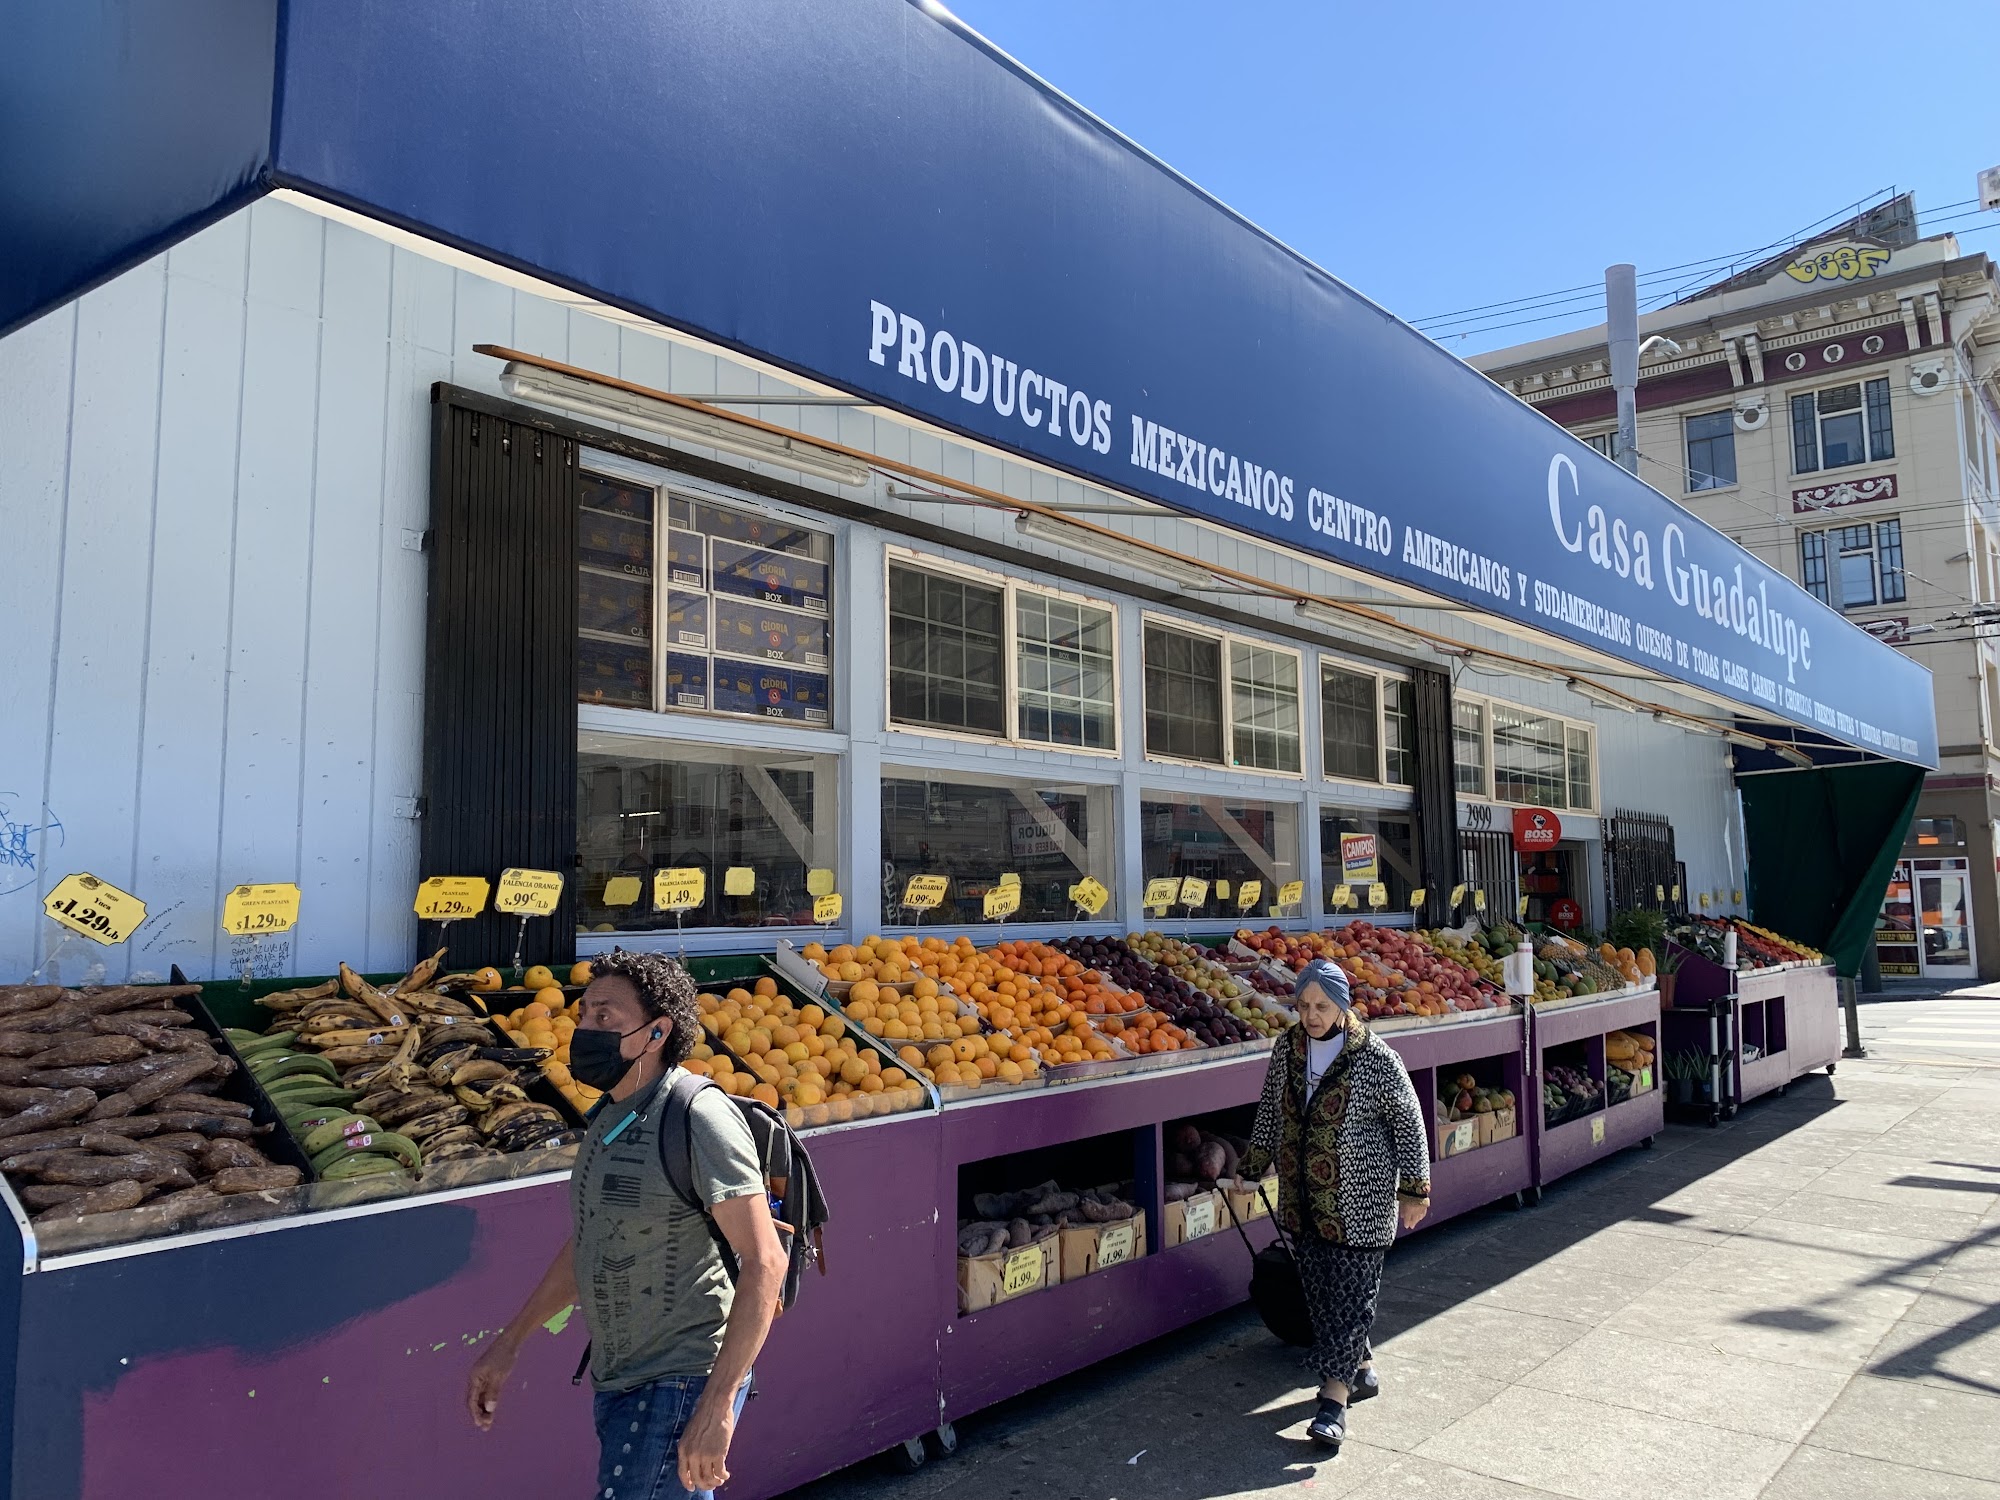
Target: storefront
<point>1926,927</point>
<point>400,520</point>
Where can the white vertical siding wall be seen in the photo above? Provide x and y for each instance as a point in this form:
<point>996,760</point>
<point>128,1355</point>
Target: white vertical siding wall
<point>211,472</point>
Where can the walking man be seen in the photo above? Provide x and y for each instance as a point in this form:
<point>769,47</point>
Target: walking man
<point>673,1336</point>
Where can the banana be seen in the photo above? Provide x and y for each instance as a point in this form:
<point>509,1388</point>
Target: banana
<point>294,999</point>
<point>450,1038</point>
<point>516,1057</point>
<point>443,1067</point>
<point>478,1070</point>
<point>360,989</point>
<point>379,1142</point>
<point>402,1071</point>
<point>277,1041</point>
<point>353,1036</point>
<point>363,1052</point>
<point>303,1122</point>
<point>341,1127</point>
<point>422,1127</point>
<point>508,1113</point>
<point>457,1135</point>
<point>459,1151</point>
<point>364,1164</point>
<point>269,1067</point>
<point>408,1106</point>
<point>311,1094</point>
<point>419,976</point>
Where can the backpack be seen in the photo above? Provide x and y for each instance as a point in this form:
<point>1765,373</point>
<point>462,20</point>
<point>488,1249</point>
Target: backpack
<point>798,1207</point>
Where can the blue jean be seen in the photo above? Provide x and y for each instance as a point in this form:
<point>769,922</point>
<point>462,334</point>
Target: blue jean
<point>639,1438</point>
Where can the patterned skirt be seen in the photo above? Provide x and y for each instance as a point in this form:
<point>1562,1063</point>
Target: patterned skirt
<point>1341,1287</point>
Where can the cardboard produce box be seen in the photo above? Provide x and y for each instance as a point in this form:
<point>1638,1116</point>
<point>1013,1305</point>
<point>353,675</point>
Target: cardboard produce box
<point>1505,1125</point>
<point>1194,1218</point>
<point>1248,1205</point>
<point>1090,1248</point>
<point>984,1280</point>
<point>1458,1137</point>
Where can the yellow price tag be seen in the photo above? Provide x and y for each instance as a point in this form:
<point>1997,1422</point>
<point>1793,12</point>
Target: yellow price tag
<point>1248,894</point>
<point>621,890</point>
<point>1291,893</point>
<point>1114,1245</point>
<point>926,892</point>
<point>738,880</point>
<point>1417,897</point>
<point>1340,898</point>
<point>1022,1272</point>
<point>250,909</point>
<point>1089,895</point>
<point>528,893</point>
<point>1222,890</point>
<point>1457,896</point>
<point>1200,1216</point>
<point>1597,1130</point>
<point>1659,893</point>
<point>1521,909</point>
<point>1378,895</point>
<point>1010,878</point>
<point>681,889</point>
<point>1194,892</point>
<point>819,882</point>
<point>827,908</point>
<point>1160,893</point>
<point>1676,893</point>
<point>1704,900</point>
<point>95,908</point>
<point>1736,897</point>
<point>1479,901</point>
<point>1002,901</point>
<point>451,898</point>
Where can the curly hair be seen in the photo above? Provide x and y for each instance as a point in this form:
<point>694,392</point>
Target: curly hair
<point>665,989</point>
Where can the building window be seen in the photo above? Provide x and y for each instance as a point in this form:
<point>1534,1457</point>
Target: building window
<point>1841,426</point>
<point>1183,695</point>
<point>1064,658</point>
<point>1711,451</point>
<point>744,614</point>
<point>1937,833</point>
<point>947,656</point>
<point>1359,846</point>
<point>1605,443</point>
<point>1581,791</point>
<point>1399,731</point>
<point>1222,840</point>
<point>1350,724</point>
<point>1529,758</point>
<point>646,805</point>
<point>1868,565</point>
<point>1264,707</point>
<point>1468,746</point>
<point>977,830</point>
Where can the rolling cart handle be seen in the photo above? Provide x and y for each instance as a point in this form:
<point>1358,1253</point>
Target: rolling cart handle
<point>1271,1209</point>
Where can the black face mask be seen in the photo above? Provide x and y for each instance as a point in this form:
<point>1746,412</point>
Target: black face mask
<point>594,1058</point>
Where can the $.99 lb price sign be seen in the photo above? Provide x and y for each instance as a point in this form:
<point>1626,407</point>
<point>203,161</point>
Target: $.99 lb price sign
<point>528,893</point>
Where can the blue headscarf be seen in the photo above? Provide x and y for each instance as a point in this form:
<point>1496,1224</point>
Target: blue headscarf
<point>1330,977</point>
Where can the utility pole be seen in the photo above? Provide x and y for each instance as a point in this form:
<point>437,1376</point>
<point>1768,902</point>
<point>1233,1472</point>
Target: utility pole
<point>1621,318</point>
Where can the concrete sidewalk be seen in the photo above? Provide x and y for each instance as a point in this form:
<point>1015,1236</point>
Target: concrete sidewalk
<point>1802,1303</point>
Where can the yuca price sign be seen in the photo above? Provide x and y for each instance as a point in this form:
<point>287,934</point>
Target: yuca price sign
<point>249,910</point>
<point>95,908</point>
<point>528,893</point>
<point>451,898</point>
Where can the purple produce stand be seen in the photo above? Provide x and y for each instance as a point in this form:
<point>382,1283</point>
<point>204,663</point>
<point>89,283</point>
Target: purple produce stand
<point>1561,1149</point>
<point>1485,1174</point>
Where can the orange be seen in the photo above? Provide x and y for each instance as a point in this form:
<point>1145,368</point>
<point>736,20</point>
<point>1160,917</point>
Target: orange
<point>579,973</point>
<point>487,979</point>
<point>538,978</point>
<point>551,996</point>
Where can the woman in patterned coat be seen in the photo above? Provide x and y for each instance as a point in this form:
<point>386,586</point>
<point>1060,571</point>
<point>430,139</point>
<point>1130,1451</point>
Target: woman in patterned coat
<point>1343,1127</point>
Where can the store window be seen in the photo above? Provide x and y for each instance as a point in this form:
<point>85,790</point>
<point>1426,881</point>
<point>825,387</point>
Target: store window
<point>741,627</point>
<point>1864,562</point>
<point>1468,747</point>
<point>1711,450</point>
<point>1582,792</point>
<point>1264,707</point>
<point>1222,840</point>
<point>976,830</point>
<point>1183,695</point>
<point>1350,720</point>
<point>1604,442</point>
<point>1842,426</point>
<point>1530,763</point>
<point>646,805</point>
<point>947,654</point>
<point>1931,834</point>
<point>1360,845</point>
<point>1399,731</point>
<point>1065,659</point>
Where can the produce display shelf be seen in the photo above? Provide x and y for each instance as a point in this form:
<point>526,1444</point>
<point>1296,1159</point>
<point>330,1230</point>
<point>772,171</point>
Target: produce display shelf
<point>1561,1149</point>
<point>1486,1174</point>
<point>1564,1148</point>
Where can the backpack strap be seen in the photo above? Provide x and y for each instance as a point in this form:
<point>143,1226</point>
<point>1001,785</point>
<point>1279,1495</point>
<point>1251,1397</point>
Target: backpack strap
<point>676,1138</point>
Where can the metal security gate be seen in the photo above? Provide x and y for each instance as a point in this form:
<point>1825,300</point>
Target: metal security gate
<point>1486,863</point>
<point>1640,867</point>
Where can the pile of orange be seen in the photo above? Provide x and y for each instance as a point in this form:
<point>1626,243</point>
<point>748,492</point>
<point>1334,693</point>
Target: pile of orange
<point>548,1021</point>
<point>798,1058</point>
<point>1148,1032</point>
<point>1020,989</point>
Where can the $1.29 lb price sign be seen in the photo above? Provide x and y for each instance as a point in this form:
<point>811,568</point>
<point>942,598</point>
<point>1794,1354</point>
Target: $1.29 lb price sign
<point>528,893</point>
<point>451,898</point>
<point>249,910</point>
<point>95,908</point>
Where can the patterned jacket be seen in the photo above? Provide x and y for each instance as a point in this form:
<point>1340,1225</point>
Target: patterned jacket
<point>1344,1157</point>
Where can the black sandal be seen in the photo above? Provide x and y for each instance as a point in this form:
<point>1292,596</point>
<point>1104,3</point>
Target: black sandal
<point>1367,1386</point>
<point>1329,1425</point>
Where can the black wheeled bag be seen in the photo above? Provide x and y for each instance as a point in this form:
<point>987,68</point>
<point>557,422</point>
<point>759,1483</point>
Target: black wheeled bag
<point>1275,1289</point>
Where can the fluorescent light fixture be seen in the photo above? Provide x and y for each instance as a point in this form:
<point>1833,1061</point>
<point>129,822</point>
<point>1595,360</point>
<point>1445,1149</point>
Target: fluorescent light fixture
<point>1793,757</point>
<point>1353,624</point>
<point>606,403</point>
<point>1746,741</point>
<point>1597,695</point>
<point>1686,726</point>
<point>1112,549</point>
<point>1449,648</point>
<point>1533,671</point>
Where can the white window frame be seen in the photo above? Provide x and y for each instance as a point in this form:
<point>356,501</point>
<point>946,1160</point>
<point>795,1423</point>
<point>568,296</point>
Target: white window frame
<point>1224,639</point>
<point>666,488</point>
<point>1382,679</point>
<point>1487,794</point>
<point>1009,588</point>
<point>1860,380</point>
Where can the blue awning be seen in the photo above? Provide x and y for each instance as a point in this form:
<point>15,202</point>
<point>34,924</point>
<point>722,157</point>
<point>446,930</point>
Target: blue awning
<point>864,193</point>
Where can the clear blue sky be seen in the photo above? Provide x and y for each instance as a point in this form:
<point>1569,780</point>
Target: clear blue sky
<point>1439,157</point>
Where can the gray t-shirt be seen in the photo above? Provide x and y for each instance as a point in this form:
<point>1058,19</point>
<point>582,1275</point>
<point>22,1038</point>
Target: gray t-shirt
<point>655,1292</point>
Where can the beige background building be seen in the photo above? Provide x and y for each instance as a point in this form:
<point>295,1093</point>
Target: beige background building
<point>1836,409</point>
